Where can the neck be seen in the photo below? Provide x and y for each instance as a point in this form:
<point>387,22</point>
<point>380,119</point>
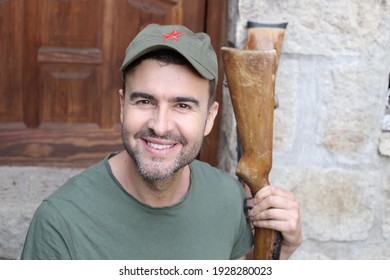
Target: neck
<point>155,193</point>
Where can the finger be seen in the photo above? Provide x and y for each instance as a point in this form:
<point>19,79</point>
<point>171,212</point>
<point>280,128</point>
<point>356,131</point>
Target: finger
<point>275,202</point>
<point>273,191</point>
<point>272,224</point>
<point>287,227</point>
<point>290,216</point>
<point>275,214</point>
<point>291,232</point>
<point>270,214</point>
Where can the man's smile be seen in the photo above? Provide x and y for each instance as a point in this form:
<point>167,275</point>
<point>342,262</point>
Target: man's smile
<point>159,146</point>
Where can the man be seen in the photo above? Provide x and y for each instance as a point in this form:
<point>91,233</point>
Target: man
<point>153,200</point>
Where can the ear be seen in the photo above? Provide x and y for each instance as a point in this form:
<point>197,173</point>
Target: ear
<point>122,102</point>
<point>212,113</point>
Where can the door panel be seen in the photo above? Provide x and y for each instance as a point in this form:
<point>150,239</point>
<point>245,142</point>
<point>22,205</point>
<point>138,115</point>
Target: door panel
<point>69,94</point>
<point>70,23</point>
<point>59,82</point>
<point>69,58</point>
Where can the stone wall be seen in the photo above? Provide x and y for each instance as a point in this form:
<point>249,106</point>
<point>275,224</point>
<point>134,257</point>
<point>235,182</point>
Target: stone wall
<point>331,145</point>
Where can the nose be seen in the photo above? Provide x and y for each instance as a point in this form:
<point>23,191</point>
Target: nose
<point>161,122</point>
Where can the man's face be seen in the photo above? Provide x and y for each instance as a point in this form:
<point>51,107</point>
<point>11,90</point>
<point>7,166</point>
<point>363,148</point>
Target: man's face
<point>164,115</point>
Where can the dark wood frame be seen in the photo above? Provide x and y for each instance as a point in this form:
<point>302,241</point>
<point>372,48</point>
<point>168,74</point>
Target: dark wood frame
<point>216,13</point>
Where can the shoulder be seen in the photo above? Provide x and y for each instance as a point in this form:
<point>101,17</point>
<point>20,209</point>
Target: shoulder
<point>206,171</point>
<point>211,177</point>
<point>80,184</point>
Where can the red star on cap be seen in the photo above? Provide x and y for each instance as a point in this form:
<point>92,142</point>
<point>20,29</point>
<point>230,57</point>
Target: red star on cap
<point>173,35</point>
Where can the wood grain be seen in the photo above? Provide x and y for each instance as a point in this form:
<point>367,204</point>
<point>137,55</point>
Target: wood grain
<point>250,75</point>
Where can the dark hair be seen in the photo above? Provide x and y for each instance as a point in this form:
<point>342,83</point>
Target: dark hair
<point>168,56</point>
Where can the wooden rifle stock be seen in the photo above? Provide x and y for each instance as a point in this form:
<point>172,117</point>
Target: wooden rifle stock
<point>266,37</point>
<point>251,78</point>
<point>250,75</point>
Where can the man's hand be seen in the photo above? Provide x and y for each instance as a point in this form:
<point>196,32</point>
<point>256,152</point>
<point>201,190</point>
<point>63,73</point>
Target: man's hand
<point>277,209</point>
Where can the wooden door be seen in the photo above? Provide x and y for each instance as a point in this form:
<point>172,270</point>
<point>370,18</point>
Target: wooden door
<point>59,73</point>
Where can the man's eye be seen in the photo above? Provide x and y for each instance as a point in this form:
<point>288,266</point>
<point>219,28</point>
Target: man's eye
<point>183,106</point>
<point>143,102</point>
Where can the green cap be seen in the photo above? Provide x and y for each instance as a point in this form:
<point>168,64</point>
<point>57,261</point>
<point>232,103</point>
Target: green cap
<point>195,47</point>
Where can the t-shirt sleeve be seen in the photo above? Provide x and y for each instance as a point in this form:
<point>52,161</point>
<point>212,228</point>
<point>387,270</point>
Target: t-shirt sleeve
<point>244,240</point>
<point>48,237</point>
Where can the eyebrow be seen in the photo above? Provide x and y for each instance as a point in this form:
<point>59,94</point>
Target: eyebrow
<point>192,100</point>
<point>143,95</point>
<point>178,99</point>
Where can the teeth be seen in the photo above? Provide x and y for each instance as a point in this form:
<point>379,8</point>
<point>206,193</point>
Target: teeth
<point>159,147</point>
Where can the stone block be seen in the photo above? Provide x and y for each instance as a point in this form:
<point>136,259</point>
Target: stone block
<point>285,115</point>
<point>335,204</point>
<point>347,120</point>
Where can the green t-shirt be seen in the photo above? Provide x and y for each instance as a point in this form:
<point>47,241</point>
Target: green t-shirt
<point>93,217</point>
